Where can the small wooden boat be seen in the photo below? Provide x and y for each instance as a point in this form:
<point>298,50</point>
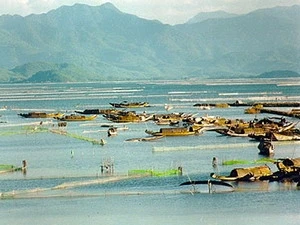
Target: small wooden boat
<point>74,117</point>
<point>150,138</point>
<point>266,147</point>
<point>174,131</point>
<point>126,104</point>
<point>245,174</point>
<point>230,133</point>
<point>284,137</point>
<point>289,135</point>
<point>112,131</point>
<point>170,117</point>
<point>102,142</point>
<point>254,109</point>
<point>204,107</point>
<point>128,117</point>
<point>287,127</point>
<point>99,111</point>
<point>288,170</point>
<point>168,107</point>
<point>40,115</point>
<point>288,165</point>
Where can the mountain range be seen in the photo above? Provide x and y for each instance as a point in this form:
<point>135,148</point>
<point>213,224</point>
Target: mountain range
<point>200,17</point>
<point>94,43</point>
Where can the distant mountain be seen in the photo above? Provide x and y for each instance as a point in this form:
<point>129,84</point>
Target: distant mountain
<point>210,15</point>
<point>49,72</point>
<point>279,74</point>
<point>94,43</point>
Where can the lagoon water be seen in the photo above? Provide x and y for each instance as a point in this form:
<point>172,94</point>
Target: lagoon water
<point>64,185</point>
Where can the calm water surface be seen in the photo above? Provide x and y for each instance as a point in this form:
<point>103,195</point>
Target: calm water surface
<point>55,160</point>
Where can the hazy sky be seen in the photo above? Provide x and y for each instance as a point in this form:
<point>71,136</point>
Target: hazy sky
<point>167,11</point>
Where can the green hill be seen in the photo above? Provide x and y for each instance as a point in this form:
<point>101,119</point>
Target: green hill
<point>107,44</point>
<point>279,74</point>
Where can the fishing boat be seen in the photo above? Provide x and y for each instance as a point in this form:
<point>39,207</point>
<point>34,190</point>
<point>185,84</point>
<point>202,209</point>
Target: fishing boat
<point>231,133</point>
<point>254,109</point>
<point>126,104</point>
<point>174,131</point>
<point>256,129</point>
<point>266,147</point>
<point>245,174</point>
<point>288,171</point>
<point>112,131</point>
<point>74,117</point>
<point>290,135</point>
<point>168,107</point>
<point>40,115</point>
<point>99,111</point>
<point>288,165</point>
<point>285,137</point>
<point>150,138</point>
<point>170,117</point>
<point>127,117</point>
<point>204,107</point>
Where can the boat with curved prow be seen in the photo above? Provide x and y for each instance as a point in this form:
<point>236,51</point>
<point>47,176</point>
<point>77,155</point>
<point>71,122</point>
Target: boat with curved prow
<point>245,174</point>
<point>74,117</point>
<point>174,131</point>
<point>126,104</point>
<point>150,138</point>
<point>40,115</point>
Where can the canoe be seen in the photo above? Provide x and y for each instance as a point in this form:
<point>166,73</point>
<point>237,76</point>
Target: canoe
<point>245,174</point>
<point>287,127</point>
<point>112,131</point>
<point>126,104</point>
<point>283,137</point>
<point>231,133</point>
<point>174,131</point>
<point>151,138</point>
<point>265,147</point>
<point>40,115</point>
<point>128,117</point>
<point>288,165</point>
<point>99,111</point>
<point>74,117</point>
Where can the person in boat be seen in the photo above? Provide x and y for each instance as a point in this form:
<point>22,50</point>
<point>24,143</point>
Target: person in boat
<point>265,147</point>
<point>251,124</point>
<point>214,162</point>
<point>24,167</point>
